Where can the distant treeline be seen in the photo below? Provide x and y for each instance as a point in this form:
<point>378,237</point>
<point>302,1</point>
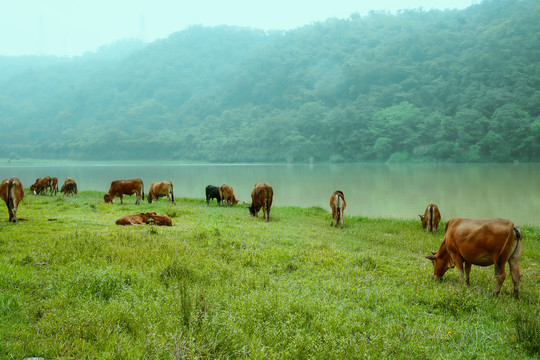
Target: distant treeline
<point>455,85</point>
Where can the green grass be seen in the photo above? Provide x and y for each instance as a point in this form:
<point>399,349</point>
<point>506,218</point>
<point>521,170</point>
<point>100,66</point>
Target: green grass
<point>219,284</point>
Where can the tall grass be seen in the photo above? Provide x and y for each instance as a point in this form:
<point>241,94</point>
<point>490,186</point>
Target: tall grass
<point>219,284</point>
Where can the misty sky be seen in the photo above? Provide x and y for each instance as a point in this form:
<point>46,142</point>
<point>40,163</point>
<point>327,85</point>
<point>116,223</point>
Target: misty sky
<point>73,27</point>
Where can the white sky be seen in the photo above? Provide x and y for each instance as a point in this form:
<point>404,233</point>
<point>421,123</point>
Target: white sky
<point>73,27</point>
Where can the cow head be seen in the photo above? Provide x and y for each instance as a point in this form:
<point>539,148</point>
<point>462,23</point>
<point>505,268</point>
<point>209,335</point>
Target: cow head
<point>252,211</point>
<point>424,220</point>
<point>107,198</point>
<point>441,263</point>
<point>149,197</point>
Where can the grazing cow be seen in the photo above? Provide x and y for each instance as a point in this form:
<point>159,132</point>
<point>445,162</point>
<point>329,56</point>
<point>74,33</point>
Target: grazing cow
<point>227,195</point>
<point>12,192</point>
<point>261,197</point>
<point>431,218</point>
<point>159,189</point>
<point>212,192</point>
<point>338,205</point>
<point>69,187</point>
<point>54,185</point>
<point>41,185</point>
<point>145,218</point>
<point>482,243</point>
<point>125,187</point>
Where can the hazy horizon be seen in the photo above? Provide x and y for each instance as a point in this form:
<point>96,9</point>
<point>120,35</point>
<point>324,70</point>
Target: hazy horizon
<point>68,28</point>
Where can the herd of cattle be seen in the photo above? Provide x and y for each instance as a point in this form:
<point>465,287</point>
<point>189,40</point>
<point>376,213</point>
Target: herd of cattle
<point>466,242</point>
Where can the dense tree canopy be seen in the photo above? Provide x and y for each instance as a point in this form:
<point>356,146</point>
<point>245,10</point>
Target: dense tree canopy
<point>454,85</point>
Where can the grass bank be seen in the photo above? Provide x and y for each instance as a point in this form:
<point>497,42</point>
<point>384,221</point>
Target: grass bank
<point>219,284</point>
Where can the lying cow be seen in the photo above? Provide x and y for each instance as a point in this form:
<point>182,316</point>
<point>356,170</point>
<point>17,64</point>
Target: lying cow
<point>483,243</point>
<point>227,195</point>
<point>261,197</point>
<point>69,187</point>
<point>212,192</point>
<point>125,187</point>
<point>160,189</point>
<point>41,185</point>
<point>338,205</point>
<point>145,218</point>
<point>431,218</point>
<point>12,192</point>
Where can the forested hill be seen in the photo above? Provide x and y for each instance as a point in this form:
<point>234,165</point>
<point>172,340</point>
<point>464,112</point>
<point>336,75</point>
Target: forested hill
<point>459,86</point>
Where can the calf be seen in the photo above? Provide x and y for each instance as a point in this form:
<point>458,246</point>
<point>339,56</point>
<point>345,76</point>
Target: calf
<point>227,195</point>
<point>69,187</point>
<point>431,218</point>
<point>338,204</point>
<point>159,189</point>
<point>261,197</point>
<point>212,192</point>
<point>480,242</point>
<point>125,187</point>
<point>12,192</point>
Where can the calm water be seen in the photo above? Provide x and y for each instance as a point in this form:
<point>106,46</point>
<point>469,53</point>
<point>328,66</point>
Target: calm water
<point>372,190</point>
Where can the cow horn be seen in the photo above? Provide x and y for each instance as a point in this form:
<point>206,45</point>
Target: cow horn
<point>433,252</point>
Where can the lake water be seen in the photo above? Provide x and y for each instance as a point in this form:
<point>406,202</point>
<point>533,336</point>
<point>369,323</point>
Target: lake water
<point>509,191</point>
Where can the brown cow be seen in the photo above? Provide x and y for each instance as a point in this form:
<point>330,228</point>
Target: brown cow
<point>69,187</point>
<point>125,187</point>
<point>261,197</point>
<point>12,192</point>
<point>159,189</point>
<point>431,218</point>
<point>145,218</point>
<point>338,205</point>
<point>227,195</point>
<point>54,185</point>
<point>483,243</point>
<point>41,185</point>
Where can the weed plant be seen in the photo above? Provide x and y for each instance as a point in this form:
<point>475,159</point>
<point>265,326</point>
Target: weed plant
<point>220,284</point>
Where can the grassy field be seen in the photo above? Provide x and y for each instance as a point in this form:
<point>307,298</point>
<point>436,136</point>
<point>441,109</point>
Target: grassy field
<point>219,284</point>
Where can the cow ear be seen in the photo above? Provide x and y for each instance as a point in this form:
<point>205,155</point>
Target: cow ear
<point>433,253</point>
<point>421,216</point>
<point>431,257</point>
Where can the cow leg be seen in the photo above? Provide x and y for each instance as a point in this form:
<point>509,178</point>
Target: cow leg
<point>10,213</point>
<point>516,275</point>
<point>513,262</point>
<point>467,272</point>
<point>341,217</point>
<point>458,261</point>
<point>121,199</point>
<point>138,201</point>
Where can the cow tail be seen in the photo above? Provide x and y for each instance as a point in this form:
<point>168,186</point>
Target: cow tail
<point>10,202</point>
<point>142,190</point>
<point>519,235</point>
<point>499,262</point>
<point>338,208</point>
<point>172,192</point>
<point>430,218</point>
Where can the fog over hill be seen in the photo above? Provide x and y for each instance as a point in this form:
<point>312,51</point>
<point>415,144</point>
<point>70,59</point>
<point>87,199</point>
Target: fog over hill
<point>460,85</point>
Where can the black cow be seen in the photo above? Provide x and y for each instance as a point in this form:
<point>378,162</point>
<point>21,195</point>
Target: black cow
<point>212,192</point>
